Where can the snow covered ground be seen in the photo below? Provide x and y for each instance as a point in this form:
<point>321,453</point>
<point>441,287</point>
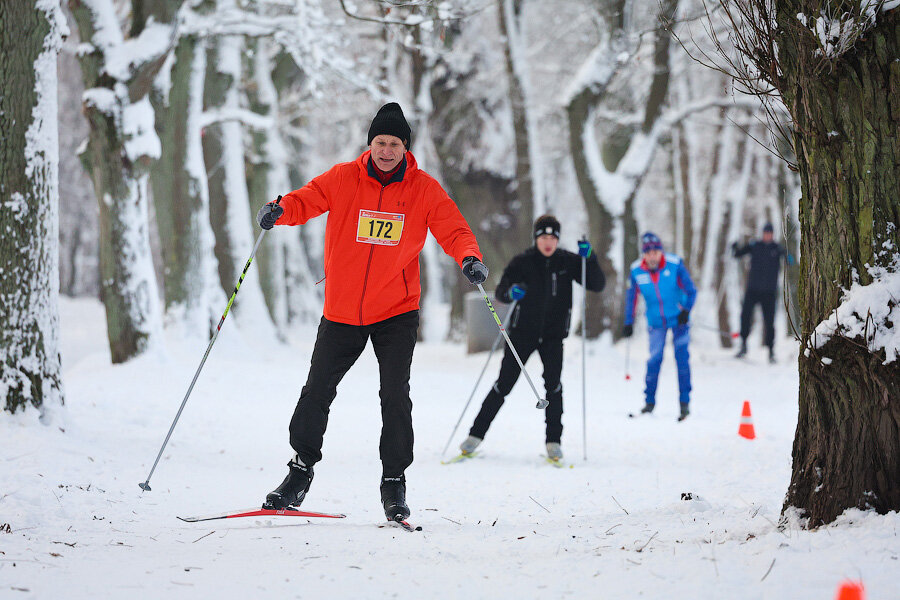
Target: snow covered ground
<point>505,525</point>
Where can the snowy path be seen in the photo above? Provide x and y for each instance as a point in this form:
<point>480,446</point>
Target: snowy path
<point>503,525</point>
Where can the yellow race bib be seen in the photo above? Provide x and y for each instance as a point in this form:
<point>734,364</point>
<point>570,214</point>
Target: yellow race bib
<point>380,228</point>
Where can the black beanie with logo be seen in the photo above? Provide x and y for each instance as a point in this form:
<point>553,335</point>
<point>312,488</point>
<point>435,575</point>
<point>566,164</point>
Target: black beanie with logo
<point>546,225</point>
<point>389,120</point>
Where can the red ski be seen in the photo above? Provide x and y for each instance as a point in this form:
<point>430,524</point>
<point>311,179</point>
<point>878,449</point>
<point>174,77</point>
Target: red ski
<point>264,512</point>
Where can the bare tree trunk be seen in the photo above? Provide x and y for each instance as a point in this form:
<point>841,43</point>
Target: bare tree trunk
<point>846,118</point>
<point>193,296</point>
<point>121,146</point>
<point>230,206</point>
<point>31,35</point>
<point>529,179</point>
<point>286,273</point>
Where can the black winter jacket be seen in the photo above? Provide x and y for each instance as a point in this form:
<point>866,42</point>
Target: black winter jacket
<point>546,310</point>
<point>765,263</point>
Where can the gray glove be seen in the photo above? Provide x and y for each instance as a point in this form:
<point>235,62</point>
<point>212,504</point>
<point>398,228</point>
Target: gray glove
<point>474,270</point>
<point>269,213</point>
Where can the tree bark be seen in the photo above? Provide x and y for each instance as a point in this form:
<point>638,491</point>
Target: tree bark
<point>230,206</point>
<point>119,116</point>
<point>30,39</point>
<point>846,114</point>
<point>529,181</point>
<point>193,296</point>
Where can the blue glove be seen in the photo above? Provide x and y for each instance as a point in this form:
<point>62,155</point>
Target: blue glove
<point>584,248</point>
<point>517,291</point>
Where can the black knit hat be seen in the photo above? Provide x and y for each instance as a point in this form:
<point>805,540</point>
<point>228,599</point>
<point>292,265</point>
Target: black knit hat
<point>546,225</point>
<point>390,121</point>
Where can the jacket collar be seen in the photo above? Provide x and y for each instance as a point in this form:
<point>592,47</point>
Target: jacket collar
<point>407,165</point>
<point>662,264</point>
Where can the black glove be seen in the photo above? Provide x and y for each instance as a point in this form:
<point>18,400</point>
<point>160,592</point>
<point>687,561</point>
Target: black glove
<point>474,270</point>
<point>268,214</point>
<point>627,330</point>
<point>683,317</point>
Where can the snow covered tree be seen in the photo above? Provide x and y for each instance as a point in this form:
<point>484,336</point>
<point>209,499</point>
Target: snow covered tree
<point>118,73</point>
<point>193,296</point>
<point>31,35</point>
<point>223,153</point>
<point>835,67</point>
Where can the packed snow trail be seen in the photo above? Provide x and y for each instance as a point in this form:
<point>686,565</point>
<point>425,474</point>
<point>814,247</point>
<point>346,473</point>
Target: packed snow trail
<point>505,524</point>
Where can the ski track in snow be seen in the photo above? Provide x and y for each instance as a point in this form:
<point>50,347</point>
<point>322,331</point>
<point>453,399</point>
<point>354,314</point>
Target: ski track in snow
<point>504,524</point>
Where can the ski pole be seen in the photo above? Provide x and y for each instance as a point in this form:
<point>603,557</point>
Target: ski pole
<point>541,402</point>
<point>478,381</point>
<point>731,334</point>
<point>583,359</point>
<point>627,356</point>
<point>146,484</point>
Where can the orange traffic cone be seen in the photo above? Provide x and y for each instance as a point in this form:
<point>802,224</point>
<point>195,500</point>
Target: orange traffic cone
<point>851,590</point>
<point>746,429</point>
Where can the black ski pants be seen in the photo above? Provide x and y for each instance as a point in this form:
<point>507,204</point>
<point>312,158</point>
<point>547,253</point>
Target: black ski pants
<point>551,353</point>
<point>766,300</point>
<point>337,347</point>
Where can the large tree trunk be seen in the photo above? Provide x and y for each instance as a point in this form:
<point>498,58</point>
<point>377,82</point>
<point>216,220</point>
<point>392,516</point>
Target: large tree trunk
<point>230,206</point>
<point>121,146</point>
<point>285,270</point>
<point>529,177</point>
<point>502,224</point>
<point>30,39</point>
<point>193,296</point>
<point>846,113</point>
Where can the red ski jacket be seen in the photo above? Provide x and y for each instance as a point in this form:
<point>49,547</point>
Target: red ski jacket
<point>374,235</point>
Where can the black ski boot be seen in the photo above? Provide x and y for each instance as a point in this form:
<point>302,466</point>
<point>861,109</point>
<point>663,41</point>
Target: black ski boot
<point>685,411</point>
<point>293,489</point>
<point>648,408</point>
<point>743,351</point>
<point>393,497</point>
<point>772,355</point>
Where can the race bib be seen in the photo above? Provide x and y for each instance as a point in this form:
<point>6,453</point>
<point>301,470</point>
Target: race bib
<point>379,228</point>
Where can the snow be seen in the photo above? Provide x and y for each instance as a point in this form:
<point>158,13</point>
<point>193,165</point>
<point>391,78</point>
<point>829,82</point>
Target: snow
<point>505,525</point>
<point>870,312</point>
<point>139,131</point>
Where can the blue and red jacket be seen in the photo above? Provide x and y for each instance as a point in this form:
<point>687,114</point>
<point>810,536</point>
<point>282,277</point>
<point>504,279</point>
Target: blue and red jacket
<point>667,291</point>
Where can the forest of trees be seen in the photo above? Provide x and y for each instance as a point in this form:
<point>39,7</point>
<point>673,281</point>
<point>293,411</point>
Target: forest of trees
<point>178,119</point>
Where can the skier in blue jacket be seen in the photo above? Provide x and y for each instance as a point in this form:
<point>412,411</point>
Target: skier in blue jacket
<point>669,295</point>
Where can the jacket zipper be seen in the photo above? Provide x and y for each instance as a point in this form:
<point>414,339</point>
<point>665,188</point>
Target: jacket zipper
<point>546,296</point>
<point>662,310</point>
<point>405,284</point>
<point>368,265</point>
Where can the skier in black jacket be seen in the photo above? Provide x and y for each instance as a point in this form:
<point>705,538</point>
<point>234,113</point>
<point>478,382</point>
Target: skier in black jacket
<point>762,286</point>
<point>540,279</point>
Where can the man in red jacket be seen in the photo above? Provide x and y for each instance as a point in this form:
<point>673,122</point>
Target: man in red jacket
<point>381,207</point>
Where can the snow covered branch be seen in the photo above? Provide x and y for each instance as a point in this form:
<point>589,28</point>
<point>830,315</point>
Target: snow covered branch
<point>245,117</point>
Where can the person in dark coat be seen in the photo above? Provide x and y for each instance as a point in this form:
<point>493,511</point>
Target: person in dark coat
<point>762,286</point>
<point>540,280</point>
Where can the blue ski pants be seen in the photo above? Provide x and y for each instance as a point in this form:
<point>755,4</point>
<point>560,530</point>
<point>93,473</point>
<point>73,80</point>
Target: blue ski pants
<point>681,337</point>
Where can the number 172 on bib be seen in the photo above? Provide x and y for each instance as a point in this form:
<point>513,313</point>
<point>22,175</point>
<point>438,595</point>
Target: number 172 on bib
<point>380,228</point>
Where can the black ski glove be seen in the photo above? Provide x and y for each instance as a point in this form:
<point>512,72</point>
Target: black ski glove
<point>683,317</point>
<point>627,330</point>
<point>474,270</point>
<point>268,214</point>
